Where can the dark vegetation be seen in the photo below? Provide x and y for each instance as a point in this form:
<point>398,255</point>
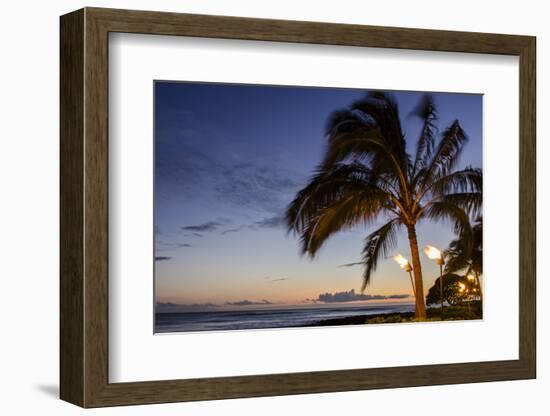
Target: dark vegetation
<point>469,310</point>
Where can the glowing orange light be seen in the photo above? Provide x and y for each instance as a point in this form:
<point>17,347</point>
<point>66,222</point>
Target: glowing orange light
<point>432,253</point>
<point>402,261</point>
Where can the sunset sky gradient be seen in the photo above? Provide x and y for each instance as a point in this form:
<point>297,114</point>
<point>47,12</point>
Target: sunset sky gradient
<point>230,158</point>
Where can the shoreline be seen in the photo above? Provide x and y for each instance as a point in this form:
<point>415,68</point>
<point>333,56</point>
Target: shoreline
<point>450,313</point>
<point>359,319</point>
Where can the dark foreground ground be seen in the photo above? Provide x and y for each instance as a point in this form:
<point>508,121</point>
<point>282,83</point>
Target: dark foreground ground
<point>465,311</point>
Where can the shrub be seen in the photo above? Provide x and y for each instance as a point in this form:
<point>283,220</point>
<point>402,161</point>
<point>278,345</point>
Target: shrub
<point>456,289</point>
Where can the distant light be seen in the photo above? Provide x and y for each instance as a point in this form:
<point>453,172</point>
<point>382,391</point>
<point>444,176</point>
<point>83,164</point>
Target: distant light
<point>432,253</point>
<point>462,287</point>
<point>402,261</point>
<point>470,277</point>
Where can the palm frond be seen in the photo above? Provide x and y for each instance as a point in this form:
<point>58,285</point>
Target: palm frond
<point>334,200</point>
<point>448,211</point>
<point>377,246</point>
<point>426,111</point>
<point>356,143</point>
<point>344,214</point>
<point>466,251</point>
<point>369,131</point>
<point>465,180</point>
<point>381,109</point>
<point>469,202</point>
<point>325,187</point>
<point>477,253</point>
<point>456,256</point>
<point>446,154</point>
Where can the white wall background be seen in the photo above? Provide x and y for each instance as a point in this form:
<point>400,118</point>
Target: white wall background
<point>29,84</point>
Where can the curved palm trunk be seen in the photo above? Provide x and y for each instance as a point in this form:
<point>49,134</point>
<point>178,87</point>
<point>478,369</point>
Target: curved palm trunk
<point>420,309</point>
<point>476,274</point>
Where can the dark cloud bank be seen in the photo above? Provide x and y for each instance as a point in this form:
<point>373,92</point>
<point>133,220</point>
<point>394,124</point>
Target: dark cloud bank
<point>274,221</point>
<point>248,303</point>
<point>351,296</point>
<point>167,307</point>
<point>205,227</point>
<point>324,298</point>
<point>162,258</point>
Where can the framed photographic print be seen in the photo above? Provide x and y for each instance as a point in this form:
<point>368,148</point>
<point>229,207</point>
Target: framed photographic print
<point>261,207</point>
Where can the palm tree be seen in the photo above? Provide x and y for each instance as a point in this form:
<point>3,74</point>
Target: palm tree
<point>456,289</point>
<point>367,175</point>
<point>466,253</point>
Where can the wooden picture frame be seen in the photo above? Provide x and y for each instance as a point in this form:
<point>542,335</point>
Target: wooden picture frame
<point>84,207</point>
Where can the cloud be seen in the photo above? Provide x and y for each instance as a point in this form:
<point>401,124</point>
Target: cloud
<point>259,184</point>
<point>162,258</point>
<point>256,186</point>
<point>171,307</point>
<point>163,246</point>
<point>269,222</point>
<point>351,296</point>
<point>179,167</point>
<point>352,264</point>
<point>198,235</point>
<point>232,230</point>
<point>167,307</point>
<point>207,226</point>
<point>248,303</point>
<point>163,243</point>
<point>281,279</point>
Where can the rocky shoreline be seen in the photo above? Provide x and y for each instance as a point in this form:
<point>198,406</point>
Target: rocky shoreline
<point>467,311</point>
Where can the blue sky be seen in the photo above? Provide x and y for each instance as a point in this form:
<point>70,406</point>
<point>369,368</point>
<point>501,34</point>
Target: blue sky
<point>229,159</point>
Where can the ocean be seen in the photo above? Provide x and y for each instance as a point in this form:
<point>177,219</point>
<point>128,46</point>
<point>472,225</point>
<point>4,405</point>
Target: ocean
<point>265,318</point>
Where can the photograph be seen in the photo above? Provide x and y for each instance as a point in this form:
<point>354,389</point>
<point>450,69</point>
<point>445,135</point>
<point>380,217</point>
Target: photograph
<point>273,205</point>
<point>312,206</point>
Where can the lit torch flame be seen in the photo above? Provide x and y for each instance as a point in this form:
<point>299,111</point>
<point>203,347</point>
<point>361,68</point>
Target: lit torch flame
<point>432,252</point>
<point>402,261</point>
